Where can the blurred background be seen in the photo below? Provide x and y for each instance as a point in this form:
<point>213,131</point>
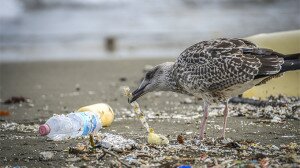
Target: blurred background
<point>35,30</point>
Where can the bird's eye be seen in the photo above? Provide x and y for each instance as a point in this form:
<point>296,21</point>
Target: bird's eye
<point>148,75</point>
<point>151,73</point>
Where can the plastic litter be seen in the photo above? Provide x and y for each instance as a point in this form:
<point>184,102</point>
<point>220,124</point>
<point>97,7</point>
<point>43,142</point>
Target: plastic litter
<point>86,120</point>
<point>104,110</point>
<point>61,127</point>
<point>157,139</point>
<point>153,138</point>
<point>136,109</point>
<point>114,142</point>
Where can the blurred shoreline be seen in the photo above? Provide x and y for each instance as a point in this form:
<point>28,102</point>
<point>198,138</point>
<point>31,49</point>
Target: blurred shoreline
<point>42,30</point>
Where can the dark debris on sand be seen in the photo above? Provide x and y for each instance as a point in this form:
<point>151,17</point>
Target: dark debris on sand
<point>184,149</point>
<point>210,153</point>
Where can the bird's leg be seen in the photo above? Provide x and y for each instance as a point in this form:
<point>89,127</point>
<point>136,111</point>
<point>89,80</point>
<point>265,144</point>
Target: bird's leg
<point>203,122</point>
<point>225,112</point>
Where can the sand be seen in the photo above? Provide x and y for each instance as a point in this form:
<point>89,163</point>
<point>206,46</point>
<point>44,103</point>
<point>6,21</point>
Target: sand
<point>61,87</point>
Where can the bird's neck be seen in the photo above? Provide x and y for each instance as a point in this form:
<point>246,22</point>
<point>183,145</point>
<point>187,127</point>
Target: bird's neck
<point>172,83</point>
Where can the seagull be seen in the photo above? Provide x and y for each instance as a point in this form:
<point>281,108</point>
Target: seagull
<point>217,70</point>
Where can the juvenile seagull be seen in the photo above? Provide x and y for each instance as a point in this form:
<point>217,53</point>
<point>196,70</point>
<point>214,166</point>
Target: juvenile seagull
<point>217,70</point>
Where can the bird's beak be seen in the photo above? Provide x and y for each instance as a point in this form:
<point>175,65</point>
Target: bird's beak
<point>138,93</point>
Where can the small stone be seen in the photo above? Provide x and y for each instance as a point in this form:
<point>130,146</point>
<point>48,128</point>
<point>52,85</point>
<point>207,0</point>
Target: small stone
<point>77,87</point>
<point>250,166</point>
<point>276,120</point>
<point>91,92</point>
<point>46,155</point>
<point>187,101</point>
<point>75,159</point>
<point>30,104</point>
<point>274,147</point>
<point>188,132</point>
<point>122,79</point>
<point>158,94</point>
<point>180,139</point>
<point>200,108</point>
<point>226,141</point>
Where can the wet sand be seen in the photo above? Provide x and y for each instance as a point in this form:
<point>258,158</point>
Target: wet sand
<point>61,87</point>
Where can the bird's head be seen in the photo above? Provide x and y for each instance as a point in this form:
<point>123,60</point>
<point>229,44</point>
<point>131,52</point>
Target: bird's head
<point>157,79</point>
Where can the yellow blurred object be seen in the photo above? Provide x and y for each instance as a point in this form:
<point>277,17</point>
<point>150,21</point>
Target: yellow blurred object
<point>105,111</point>
<point>289,84</point>
<point>157,139</point>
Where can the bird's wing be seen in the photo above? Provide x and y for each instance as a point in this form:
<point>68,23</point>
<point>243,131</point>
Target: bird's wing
<point>218,64</point>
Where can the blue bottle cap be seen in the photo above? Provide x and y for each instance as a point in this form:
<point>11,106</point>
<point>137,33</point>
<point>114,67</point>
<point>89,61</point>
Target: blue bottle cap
<point>185,166</point>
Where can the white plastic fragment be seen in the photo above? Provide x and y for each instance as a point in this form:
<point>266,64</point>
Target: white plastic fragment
<point>116,142</point>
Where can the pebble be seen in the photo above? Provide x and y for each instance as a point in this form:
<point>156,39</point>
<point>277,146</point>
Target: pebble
<point>46,155</point>
<point>77,87</point>
<point>74,159</point>
<point>226,141</point>
<point>188,132</point>
<point>12,126</point>
<point>276,119</point>
<point>274,147</point>
<point>187,100</point>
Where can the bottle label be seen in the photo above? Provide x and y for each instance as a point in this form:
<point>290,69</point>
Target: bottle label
<point>94,121</point>
<point>90,122</point>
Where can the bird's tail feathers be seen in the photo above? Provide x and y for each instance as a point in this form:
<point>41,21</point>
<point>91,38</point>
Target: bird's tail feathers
<point>271,61</point>
<point>275,63</point>
<point>271,64</point>
<point>292,56</point>
<point>291,63</point>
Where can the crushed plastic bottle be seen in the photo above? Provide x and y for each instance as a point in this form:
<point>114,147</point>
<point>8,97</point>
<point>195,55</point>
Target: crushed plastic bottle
<point>61,127</point>
<point>105,111</point>
<point>82,123</point>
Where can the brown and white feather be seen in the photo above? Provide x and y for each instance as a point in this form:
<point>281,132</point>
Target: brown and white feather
<point>219,69</point>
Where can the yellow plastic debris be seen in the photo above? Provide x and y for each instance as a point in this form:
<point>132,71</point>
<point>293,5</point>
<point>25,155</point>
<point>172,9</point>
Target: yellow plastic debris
<point>157,139</point>
<point>287,42</point>
<point>105,111</point>
<point>153,138</point>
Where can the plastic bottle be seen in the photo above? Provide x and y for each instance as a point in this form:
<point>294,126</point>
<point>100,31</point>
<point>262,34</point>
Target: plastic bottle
<point>104,110</point>
<point>84,121</point>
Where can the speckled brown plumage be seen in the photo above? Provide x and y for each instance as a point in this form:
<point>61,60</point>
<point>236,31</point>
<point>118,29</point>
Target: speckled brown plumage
<point>214,69</point>
<point>217,70</point>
